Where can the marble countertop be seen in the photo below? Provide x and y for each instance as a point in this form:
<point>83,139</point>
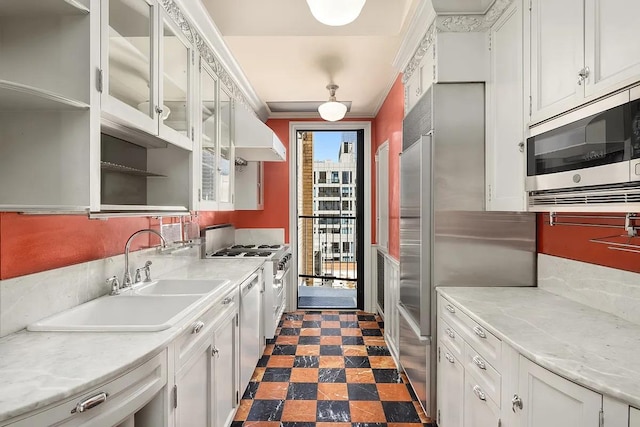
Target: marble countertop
<point>590,347</point>
<point>40,368</point>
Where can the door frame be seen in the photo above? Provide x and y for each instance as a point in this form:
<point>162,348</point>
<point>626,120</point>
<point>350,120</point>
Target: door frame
<point>294,128</point>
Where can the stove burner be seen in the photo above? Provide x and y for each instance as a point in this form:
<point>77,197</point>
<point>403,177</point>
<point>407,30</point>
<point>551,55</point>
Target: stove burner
<point>243,246</point>
<point>268,246</point>
<point>224,253</point>
<point>257,254</point>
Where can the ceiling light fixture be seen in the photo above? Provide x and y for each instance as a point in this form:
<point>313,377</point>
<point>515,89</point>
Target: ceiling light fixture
<point>336,12</point>
<point>332,110</point>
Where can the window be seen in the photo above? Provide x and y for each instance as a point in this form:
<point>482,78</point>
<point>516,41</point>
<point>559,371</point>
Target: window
<point>346,246</point>
<point>335,177</point>
<point>335,247</point>
<point>346,205</point>
<point>347,192</point>
<point>322,177</point>
<point>328,205</point>
<point>346,177</point>
<point>328,192</point>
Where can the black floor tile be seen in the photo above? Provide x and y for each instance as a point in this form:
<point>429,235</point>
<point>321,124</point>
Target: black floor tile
<point>266,410</point>
<point>387,376</point>
<point>331,350</point>
<point>311,323</point>
<point>263,361</point>
<point>302,391</point>
<point>307,340</point>
<point>333,411</point>
<point>306,362</point>
<point>359,391</point>
<point>330,332</point>
<point>356,362</point>
<point>400,412</point>
<point>277,375</point>
<point>283,350</point>
<point>332,375</point>
<point>250,392</point>
<point>352,341</point>
<point>376,350</point>
<point>290,331</point>
<point>371,333</point>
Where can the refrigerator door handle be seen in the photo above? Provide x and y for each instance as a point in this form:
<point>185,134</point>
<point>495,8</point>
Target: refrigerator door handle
<point>404,313</point>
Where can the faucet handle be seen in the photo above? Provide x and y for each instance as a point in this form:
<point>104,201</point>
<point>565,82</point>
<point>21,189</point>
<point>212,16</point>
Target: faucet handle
<point>147,271</point>
<point>115,285</point>
<point>138,276</point>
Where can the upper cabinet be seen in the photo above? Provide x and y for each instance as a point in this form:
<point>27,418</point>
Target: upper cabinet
<point>446,57</point>
<point>47,105</point>
<point>505,159</point>
<point>580,50</point>
<point>226,159</point>
<point>146,72</point>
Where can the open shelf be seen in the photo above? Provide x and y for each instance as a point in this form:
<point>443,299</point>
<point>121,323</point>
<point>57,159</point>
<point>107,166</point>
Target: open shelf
<point>114,167</point>
<point>19,97</point>
<point>42,7</point>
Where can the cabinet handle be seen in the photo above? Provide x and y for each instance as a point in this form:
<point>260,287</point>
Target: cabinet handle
<point>479,362</point>
<point>516,402</point>
<point>159,110</point>
<point>450,308</point>
<point>90,402</point>
<point>227,300</point>
<point>450,333</point>
<point>215,352</point>
<point>583,75</point>
<point>449,358</point>
<point>478,391</point>
<point>197,327</point>
<point>418,91</point>
<point>521,147</point>
<point>479,332</point>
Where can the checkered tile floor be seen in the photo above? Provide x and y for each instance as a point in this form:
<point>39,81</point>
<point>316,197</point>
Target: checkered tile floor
<point>328,369</point>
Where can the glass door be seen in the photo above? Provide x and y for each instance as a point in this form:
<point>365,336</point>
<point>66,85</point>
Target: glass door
<point>226,160</point>
<point>208,196</point>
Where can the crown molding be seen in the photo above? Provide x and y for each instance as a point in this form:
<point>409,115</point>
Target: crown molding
<point>423,17</point>
<point>194,21</point>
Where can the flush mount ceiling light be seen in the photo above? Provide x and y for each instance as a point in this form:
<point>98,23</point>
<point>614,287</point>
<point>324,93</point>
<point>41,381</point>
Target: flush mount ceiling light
<point>332,110</point>
<point>336,12</point>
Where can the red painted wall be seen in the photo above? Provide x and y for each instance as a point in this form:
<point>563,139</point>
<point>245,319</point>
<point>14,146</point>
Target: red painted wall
<point>388,127</point>
<point>572,242</point>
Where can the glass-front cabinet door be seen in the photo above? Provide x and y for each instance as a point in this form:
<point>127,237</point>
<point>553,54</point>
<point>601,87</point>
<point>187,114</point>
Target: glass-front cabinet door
<point>128,43</point>
<point>227,158</point>
<point>208,194</point>
<point>176,60</point>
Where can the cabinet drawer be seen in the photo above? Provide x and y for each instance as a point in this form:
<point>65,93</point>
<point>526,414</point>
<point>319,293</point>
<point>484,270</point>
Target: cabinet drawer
<point>124,396</point>
<point>487,344</point>
<point>188,341</point>
<point>479,409</point>
<point>449,336</point>
<point>485,375</point>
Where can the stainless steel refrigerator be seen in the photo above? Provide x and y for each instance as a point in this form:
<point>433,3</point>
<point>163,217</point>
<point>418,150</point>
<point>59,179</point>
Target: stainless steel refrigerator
<point>446,236</point>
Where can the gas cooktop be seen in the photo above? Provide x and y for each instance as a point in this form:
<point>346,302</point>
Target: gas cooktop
<point>256,251</point>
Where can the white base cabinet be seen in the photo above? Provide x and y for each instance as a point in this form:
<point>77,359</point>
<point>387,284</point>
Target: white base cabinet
<point>451,388</point>
<point>634,417</point>
<point>479,410</point>
<point>549,400</point>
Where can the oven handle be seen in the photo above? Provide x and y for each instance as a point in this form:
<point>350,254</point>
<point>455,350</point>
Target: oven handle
<point>280,276</point>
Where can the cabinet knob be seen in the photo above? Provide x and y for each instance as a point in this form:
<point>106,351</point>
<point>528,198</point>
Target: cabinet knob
<point>159,110</point>
<point>449,358</point>
<point>521,147</point>
<point>516,402</point>
<point>451,334</point>
<point>215,352</point>
<point>197,327</point>
<point>479,332</point>
<point>583,75</point>
<point>478,391</point>
<point>479,362</point>
<point>227,300</point>
<point>450,308</point>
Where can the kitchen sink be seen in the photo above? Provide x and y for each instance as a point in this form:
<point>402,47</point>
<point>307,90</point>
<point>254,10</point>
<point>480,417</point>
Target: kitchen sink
<point>179,287</point>
<point>121,313</point>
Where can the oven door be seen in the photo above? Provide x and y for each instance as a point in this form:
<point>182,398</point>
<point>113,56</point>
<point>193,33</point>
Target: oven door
<point>280,285</point>
<point>593,150</point>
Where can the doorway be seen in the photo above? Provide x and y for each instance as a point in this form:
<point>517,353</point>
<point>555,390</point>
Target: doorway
<point>330,217</point>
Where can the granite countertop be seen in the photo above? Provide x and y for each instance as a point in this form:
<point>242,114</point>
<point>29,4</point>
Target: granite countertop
<point>590,347</point>
<point>40,368</point>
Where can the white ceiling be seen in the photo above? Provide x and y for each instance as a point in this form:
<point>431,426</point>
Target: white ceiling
<point>288,56</point>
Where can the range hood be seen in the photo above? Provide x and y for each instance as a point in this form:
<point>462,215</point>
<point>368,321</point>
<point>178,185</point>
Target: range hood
<point>255,141</point>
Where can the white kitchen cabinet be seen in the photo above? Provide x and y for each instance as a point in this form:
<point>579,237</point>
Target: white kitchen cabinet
<point>251,326</point>
<point>124,398</point>
<point>612,53</point>
<point>48,115</point>
<point>549,400</point>
<point>206,367</point>
<point>479,409</point>
<point>580,50</point>
<point>391,299</point>
<point>450,388</point>
<point>505,159</point>
<point>146,73</point>
<point>226,159</point>
<point>226,393</point>
<point>634,417</point>
<point>450,58</point>
<point>249,188</point>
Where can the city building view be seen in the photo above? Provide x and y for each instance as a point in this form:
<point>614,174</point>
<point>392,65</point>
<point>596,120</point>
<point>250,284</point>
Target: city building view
<point>327,223</point>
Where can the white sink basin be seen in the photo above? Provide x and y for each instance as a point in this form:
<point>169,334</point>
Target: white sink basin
<point>123,313</point>
<point>180,287</point>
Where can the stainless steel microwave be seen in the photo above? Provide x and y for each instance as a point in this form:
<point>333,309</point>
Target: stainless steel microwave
<point>598,145</point>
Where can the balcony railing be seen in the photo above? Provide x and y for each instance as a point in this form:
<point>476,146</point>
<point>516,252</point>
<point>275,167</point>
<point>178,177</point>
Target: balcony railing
<point>328,250</point>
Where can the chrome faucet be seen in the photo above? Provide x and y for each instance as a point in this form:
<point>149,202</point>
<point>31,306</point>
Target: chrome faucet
<point>127,282</point>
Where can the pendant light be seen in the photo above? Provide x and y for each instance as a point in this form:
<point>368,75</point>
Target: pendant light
<point>336,12</point>
<point>332,110</point>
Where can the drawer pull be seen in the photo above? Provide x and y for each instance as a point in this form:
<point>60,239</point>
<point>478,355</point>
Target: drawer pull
<point>516,402</point>
<point>90,402</point>
<point>449,358</point>
<point>197,327</point>
<point>479,362</point>
<point>227,300</point>
<point>451,334</point>
<point>479,332</point>
<point>450,308</point>
<point>215,352</point>
<point>478,391</point>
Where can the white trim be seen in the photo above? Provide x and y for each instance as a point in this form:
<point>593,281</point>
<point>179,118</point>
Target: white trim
<point>420,22</point>
<point>294,127</point>
<point>200,19</point>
